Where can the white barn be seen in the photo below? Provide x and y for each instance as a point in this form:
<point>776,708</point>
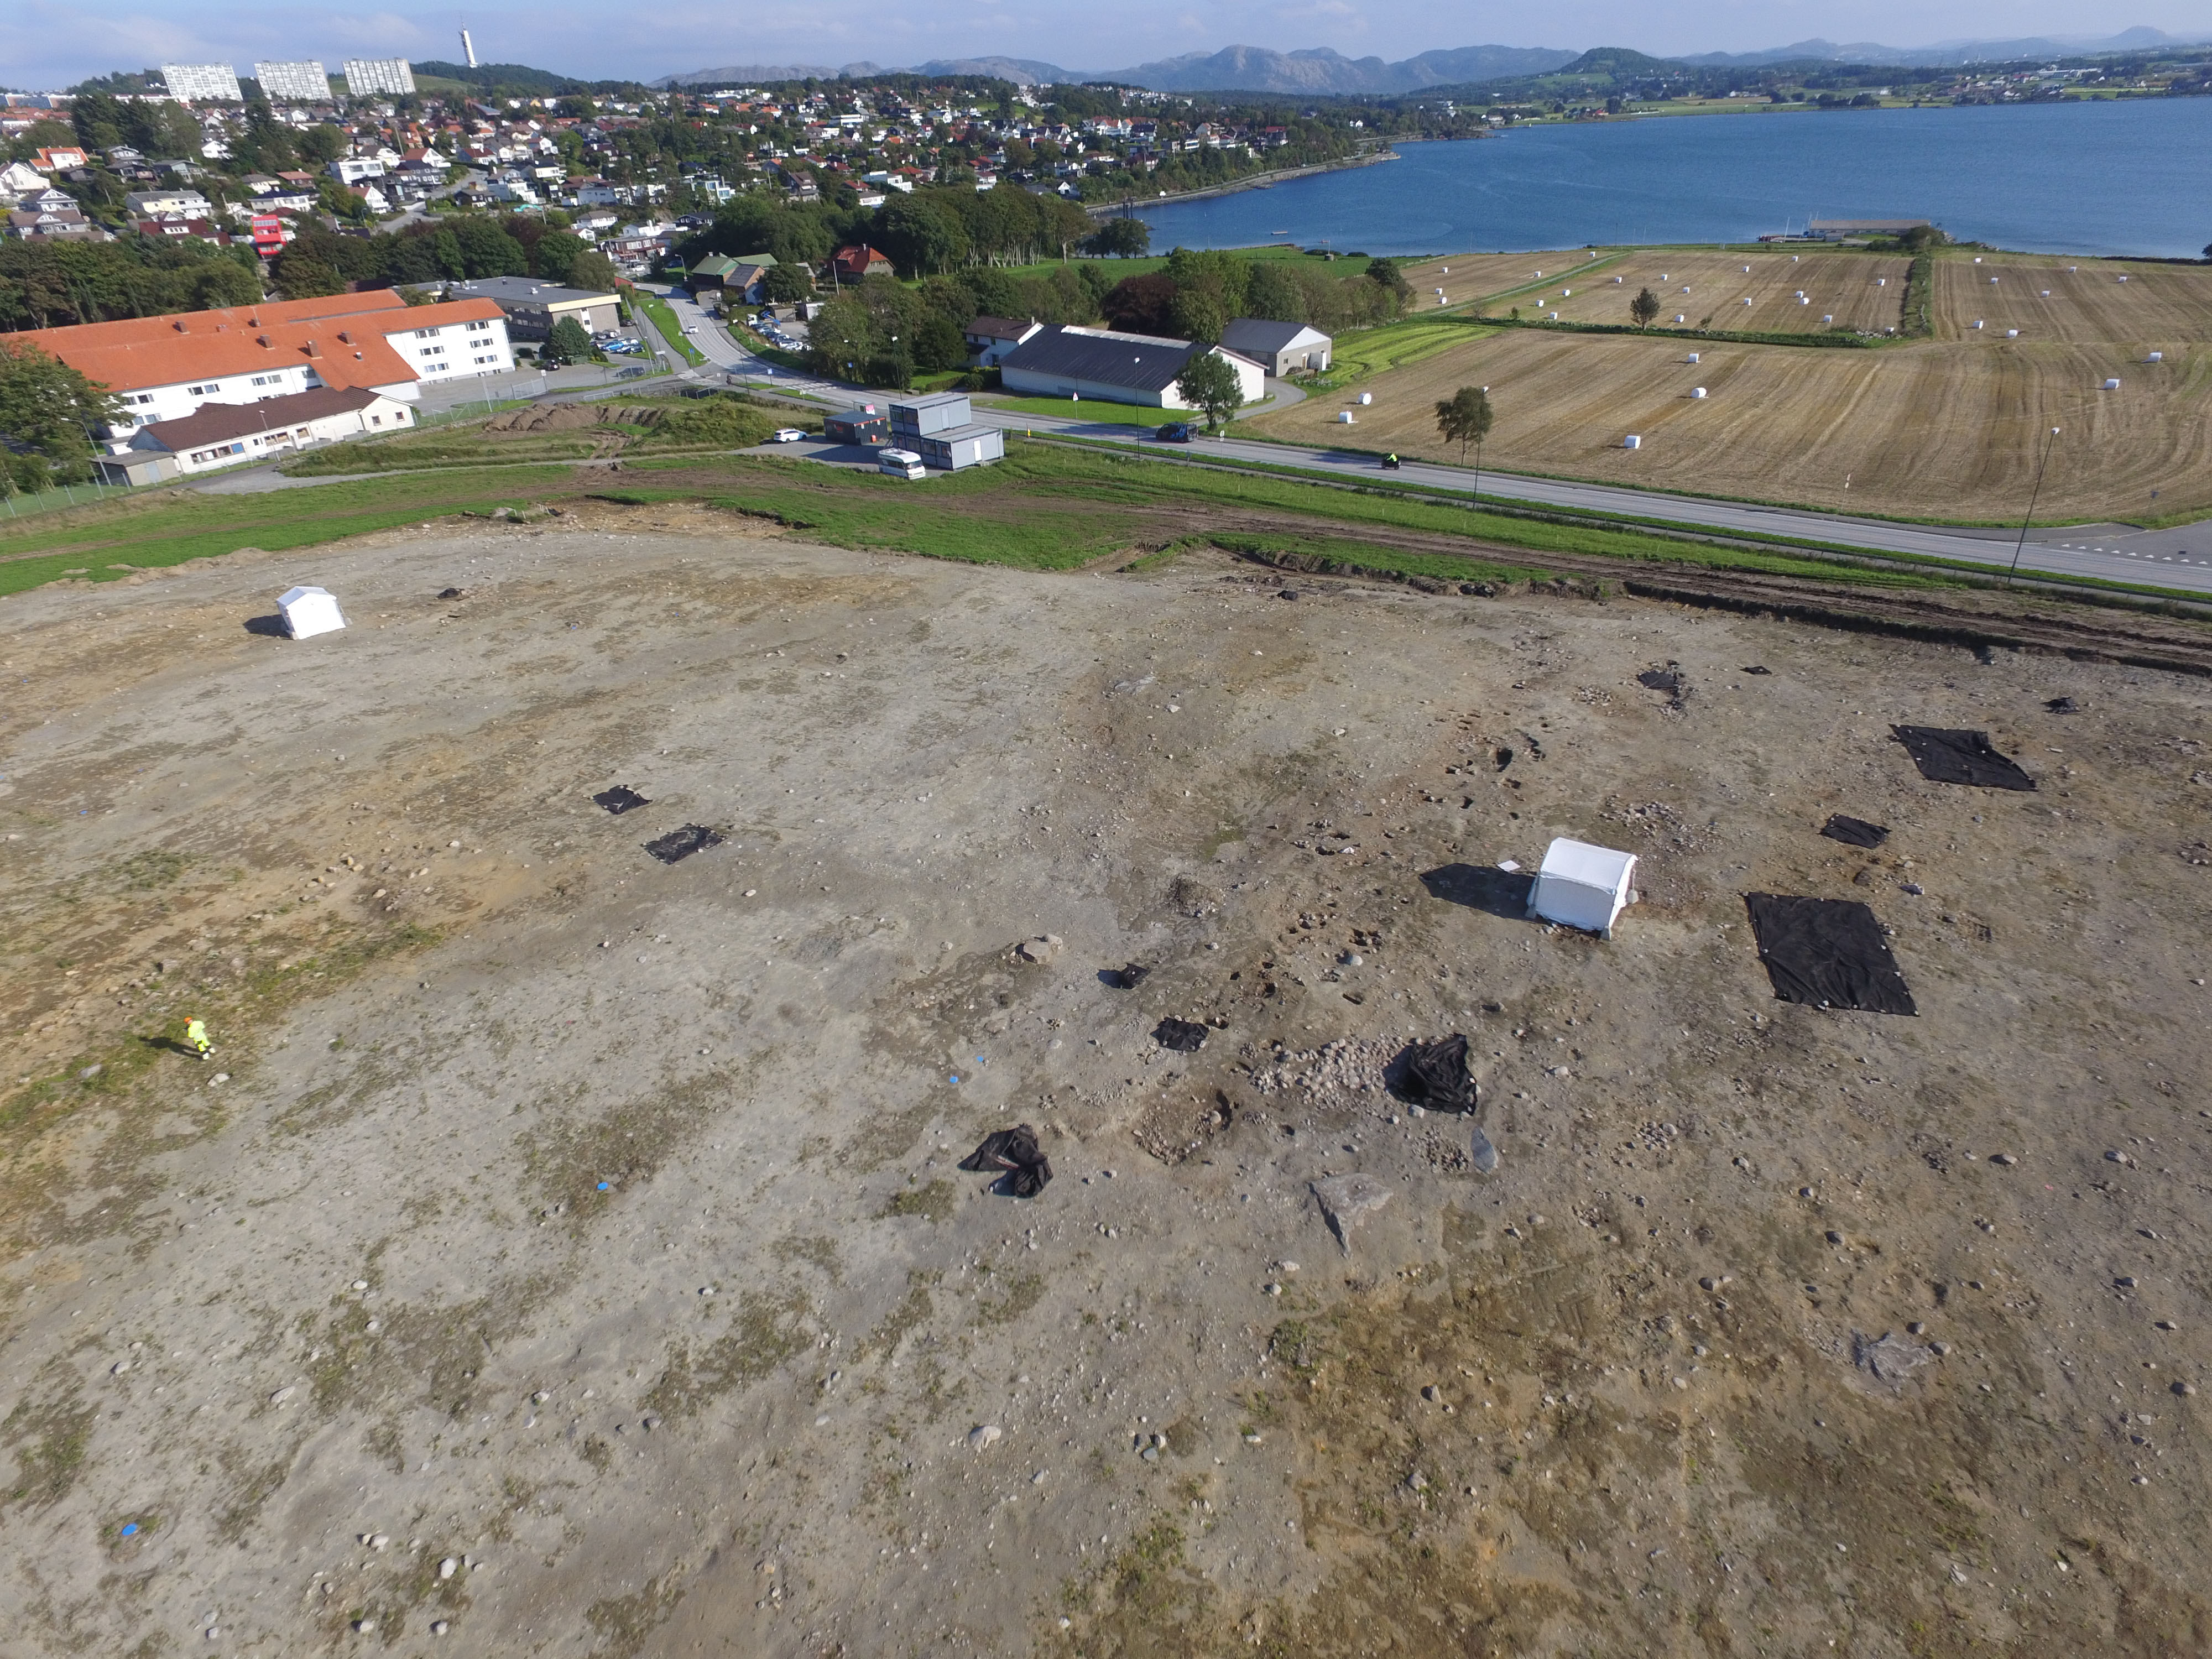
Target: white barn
<point>1107,366</point>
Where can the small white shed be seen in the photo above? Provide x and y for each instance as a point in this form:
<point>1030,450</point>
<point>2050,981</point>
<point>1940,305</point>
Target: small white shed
<point>1582,886</point>
<point>308,611</point>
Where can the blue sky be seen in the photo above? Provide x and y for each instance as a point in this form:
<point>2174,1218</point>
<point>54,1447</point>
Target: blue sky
<point>46,43</point>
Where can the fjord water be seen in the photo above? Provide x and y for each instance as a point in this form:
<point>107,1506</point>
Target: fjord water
<point>2088,178</point>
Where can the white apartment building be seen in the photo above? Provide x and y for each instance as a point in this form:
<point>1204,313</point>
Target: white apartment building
<point>306,80</point>
<point>201,82</point>
<point>366,78</point>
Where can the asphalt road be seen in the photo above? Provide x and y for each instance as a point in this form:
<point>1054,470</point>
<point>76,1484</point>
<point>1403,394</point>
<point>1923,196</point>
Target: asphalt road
<point>2178,558</point>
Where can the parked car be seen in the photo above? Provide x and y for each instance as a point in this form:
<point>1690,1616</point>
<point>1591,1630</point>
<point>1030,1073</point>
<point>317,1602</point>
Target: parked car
<point>786,435</point>
<point>1174,432</point>
<point>901,464</point>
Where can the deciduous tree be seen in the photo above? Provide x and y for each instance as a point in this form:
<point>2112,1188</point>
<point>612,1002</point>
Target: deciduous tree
<point>1209,382</point>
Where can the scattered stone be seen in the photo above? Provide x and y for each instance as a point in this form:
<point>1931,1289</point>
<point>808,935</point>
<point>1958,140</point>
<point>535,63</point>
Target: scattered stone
<point>2167,1325</point>
<point>1042,949</point>
<point>1417,1481</point>
<point>1150,1454</point>
<point>2184,1389</point>
<point>648,1422</point>
<point>283,1393</point>
<point>439,1627</point>
<point>2005,1158</point>
<point>1887,1358</point>
<point>361,1283</point>
<point>448,1567</point>
<point>380,1540</point>
<point>364,1626</point>
<point>1432,1393</point>
<point>984,1436</point>
<point>2117,1157</point>
<point>89,1072</point>
<point>1345,1199</point>
<point>119,1367</point>
<point>2125,1281</point>
<point>220,1077</point>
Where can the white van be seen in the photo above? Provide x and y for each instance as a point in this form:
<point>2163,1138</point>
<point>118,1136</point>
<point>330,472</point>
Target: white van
<point>901,464</point>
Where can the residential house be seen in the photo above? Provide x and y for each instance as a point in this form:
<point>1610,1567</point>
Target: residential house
<point>19,180</point>
<point>990,338</point>
<point>1112,367</point>
<point>1280,347</point>
<point>533,307</point>
<point>144,203</point>
<point>224,435</point>
<point>60,159</point>
<point>850,265</point>
<point>54,224</point>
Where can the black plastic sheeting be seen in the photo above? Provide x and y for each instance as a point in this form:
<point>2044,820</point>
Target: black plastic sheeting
<point>1661,680</point>
<point>619,799</point>
<point>680,844</point>
<point>1947,757</point>
<point>1436,1075</point>
<point>1182,1035</point>
<point>1015,1154</point>
<point>1855,832</point>
<point>1830,953</point>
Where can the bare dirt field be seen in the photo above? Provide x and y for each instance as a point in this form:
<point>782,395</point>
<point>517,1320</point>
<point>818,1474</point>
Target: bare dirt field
<point>1856,290</point>
<point>2134,308</point>
<point>1936,429</point>
<point>564,1253</point>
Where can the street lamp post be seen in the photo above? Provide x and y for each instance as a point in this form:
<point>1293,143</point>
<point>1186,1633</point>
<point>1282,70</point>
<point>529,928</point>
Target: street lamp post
<point>2020,546</point>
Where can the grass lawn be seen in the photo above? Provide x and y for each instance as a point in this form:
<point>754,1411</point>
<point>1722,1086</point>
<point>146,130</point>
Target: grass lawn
<point>1048,506</point>
<point>1067,409</point>
<point>1393,345</point>
<point>655,310</point>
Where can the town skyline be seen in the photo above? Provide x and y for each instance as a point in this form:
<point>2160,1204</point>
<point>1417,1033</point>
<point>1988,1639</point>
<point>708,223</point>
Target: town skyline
<point>44,46</point>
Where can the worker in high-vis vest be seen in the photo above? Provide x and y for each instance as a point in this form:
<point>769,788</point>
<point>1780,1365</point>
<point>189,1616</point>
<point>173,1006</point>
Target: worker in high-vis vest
<point>196,1034</point>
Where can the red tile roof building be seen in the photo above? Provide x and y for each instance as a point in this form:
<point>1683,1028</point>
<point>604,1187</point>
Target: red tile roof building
<point>165,369</point>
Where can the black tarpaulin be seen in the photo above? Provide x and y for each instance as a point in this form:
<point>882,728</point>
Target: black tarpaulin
<point>1946,757</point>
<point>1853,832</point>
<point>1437,1076</point>
<point>680,844</point>
<point>1183,1036</point>
<point>1831,953</point>
<point>619,799</point>
<point>1014,1152</point>
<point>1661,680</point>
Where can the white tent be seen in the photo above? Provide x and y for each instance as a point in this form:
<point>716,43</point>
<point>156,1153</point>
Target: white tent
<point>308,611</point>
<point>1583,886</point>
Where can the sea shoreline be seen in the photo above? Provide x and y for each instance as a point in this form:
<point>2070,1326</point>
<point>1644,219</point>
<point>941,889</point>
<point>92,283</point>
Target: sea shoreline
<point>1257,181</point>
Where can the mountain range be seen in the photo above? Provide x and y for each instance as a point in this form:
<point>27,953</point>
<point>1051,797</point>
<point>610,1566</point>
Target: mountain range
<point>1323,72</point>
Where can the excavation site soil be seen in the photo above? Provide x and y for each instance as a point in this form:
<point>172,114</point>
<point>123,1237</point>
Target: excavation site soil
<point>569,1246</point>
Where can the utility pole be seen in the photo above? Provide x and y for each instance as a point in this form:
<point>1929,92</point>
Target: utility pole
<point>2021,545</point>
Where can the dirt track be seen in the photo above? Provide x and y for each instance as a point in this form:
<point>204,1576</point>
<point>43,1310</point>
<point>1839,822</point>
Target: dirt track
<point>504,1096</point>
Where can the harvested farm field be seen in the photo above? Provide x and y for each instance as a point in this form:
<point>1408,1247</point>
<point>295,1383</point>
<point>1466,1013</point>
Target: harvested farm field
<point>1858,291</point>
<point>1938,429</point>
<point>2134,306</point>
<point>616,942</point>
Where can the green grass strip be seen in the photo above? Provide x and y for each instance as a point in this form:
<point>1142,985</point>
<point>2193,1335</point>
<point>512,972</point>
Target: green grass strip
<point>655,310</point>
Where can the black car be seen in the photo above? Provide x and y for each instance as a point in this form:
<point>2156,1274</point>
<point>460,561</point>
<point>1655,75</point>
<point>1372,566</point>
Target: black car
<point>1174,432</point>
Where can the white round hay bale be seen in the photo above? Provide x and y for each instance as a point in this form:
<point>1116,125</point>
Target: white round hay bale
<point>1696,391</point>
<point>1631,441</point>
<point>1365,398</point>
